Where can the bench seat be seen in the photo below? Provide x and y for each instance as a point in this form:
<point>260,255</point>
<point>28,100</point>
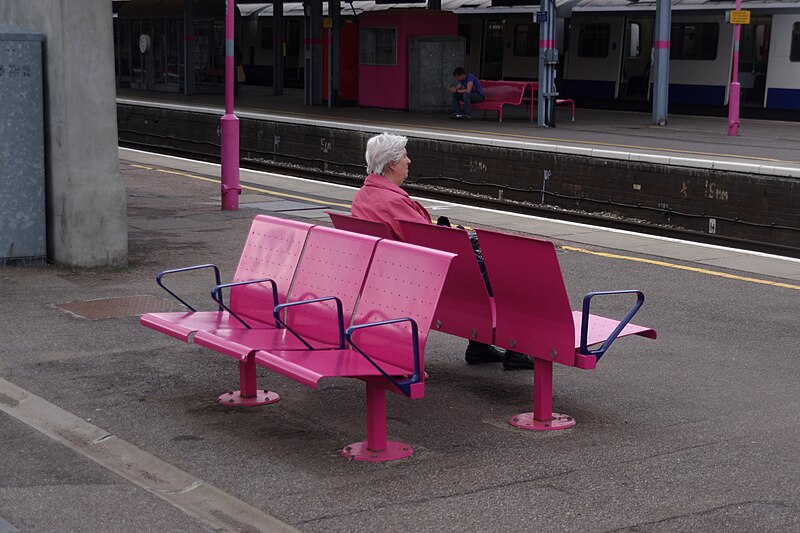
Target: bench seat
<point>181,325</point>
<point>600,328</point>
<point>241,343</point>
<point>309,367</point>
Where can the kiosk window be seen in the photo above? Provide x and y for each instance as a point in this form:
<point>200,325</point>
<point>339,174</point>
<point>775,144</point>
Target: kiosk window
<point>379,46</point>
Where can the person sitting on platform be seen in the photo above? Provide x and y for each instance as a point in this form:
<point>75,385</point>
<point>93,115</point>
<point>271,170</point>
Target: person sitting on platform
<point>468,90</point>
<point>381,199</point>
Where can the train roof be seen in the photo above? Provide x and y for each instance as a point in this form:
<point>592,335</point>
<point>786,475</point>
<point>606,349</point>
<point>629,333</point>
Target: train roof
<point>460,7</point>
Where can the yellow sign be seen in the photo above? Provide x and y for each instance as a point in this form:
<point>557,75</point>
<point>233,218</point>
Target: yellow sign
<point>739,17</point>
<point>327,22</point>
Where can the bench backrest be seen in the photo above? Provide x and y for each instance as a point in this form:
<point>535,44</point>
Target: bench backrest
<point>360,225</point>
<point>533,310</point>
<point>272,250</point>
<point>333,263</point>
<point>506,93</point>
<point>403,281</point>
<point>464,309</point>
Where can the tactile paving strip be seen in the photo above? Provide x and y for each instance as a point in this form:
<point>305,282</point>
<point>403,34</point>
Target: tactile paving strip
<point>119,307</point>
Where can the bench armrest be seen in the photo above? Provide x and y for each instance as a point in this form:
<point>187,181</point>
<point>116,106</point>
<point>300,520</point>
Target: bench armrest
<point>160,281</point>
<point>613,336</point>
<point>216,295</point>
<point>403,385</point>
<point>339,314</point>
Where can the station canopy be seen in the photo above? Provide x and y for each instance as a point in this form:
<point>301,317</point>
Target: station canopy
<point>460,7</point>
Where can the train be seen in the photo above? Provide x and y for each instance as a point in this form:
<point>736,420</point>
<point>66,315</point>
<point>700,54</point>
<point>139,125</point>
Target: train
<point>604,47</point>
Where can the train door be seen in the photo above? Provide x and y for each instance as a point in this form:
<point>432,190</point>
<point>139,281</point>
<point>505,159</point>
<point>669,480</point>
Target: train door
<point>753,59</point>
<point>493,50</point>
<point>634,82</point>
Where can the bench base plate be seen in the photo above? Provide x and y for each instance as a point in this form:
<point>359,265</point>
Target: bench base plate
<point>394,450</point>
<point>527,421</point>
<point>262,397</point>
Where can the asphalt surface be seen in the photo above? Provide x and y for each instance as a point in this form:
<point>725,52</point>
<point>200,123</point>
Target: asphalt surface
<point>698,430</point>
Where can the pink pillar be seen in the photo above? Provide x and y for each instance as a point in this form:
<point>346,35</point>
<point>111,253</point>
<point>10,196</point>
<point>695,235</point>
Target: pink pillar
<point>542,417</point>
<point>248,395</point>
<point>542,389</point>
<point>733,98</point>
<point>229,124</point>
<point>376,448</point>
<point>376,418</point>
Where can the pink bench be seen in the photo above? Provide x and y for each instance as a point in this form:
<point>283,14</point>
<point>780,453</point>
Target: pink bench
<point>465,308</point>
<point>270,254</point>
<point>529,311</point>
<point>534,317</point>
<point>499,94</point>
<point>394,286</point>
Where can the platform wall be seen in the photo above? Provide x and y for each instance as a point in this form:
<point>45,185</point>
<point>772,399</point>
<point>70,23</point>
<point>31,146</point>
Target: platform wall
<point>734,205</point>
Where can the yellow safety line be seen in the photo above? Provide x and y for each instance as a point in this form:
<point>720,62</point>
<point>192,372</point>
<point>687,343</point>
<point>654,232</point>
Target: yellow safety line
<point>568,248</point>
<point>682,267</point>
<point>258,189</point>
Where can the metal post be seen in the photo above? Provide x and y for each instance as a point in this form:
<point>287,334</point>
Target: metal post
<point>661,57</point>
<point>548,59</point>
<point>229,124</point>
<point>735,91</point>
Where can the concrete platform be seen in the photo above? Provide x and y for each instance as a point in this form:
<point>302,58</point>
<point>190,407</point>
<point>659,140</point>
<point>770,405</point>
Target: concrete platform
<point>698,430</point>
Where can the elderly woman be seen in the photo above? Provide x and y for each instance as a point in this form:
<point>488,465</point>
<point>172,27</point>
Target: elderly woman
<point>382,200</point>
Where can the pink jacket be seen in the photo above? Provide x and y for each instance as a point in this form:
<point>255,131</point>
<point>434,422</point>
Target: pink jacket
<point>380,200</point>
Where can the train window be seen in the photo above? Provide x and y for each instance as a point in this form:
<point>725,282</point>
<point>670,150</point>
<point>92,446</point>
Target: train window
<point>379,46</point>
<point>526,37</point>
<point>593,40</point>
<point>465,31</point>
<point>694,41</point>
<point>794,51</point>
<point>634,39</point>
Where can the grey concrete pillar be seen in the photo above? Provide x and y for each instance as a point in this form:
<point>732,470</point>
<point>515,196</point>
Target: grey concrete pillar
<point>86,205</point>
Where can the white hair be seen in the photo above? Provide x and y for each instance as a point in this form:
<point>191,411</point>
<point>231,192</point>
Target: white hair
<point>383,149</point>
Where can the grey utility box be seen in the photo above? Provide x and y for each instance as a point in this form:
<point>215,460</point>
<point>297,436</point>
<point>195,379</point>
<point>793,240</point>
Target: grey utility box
<point>22,174</point>
<point>431,61</point>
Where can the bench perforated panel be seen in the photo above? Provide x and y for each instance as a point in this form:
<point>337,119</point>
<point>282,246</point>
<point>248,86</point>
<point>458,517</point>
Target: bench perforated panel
<point>403,281</point>
<point>333,263</point>
<point>272,250</point>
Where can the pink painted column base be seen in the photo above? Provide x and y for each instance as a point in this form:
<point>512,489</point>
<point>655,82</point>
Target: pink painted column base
<point>249,395</point>
<point>376,448</point>
<point>733,109</point>
<point>230,162</point>
<point>542,418</point>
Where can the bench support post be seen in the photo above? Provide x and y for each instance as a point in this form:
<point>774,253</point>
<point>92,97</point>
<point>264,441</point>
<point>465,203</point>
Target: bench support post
<point>542,418</point>
<point>248,395</point>
<point>376,448</point>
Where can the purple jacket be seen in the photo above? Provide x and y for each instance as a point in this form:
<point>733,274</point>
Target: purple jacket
<point>380,200</point>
